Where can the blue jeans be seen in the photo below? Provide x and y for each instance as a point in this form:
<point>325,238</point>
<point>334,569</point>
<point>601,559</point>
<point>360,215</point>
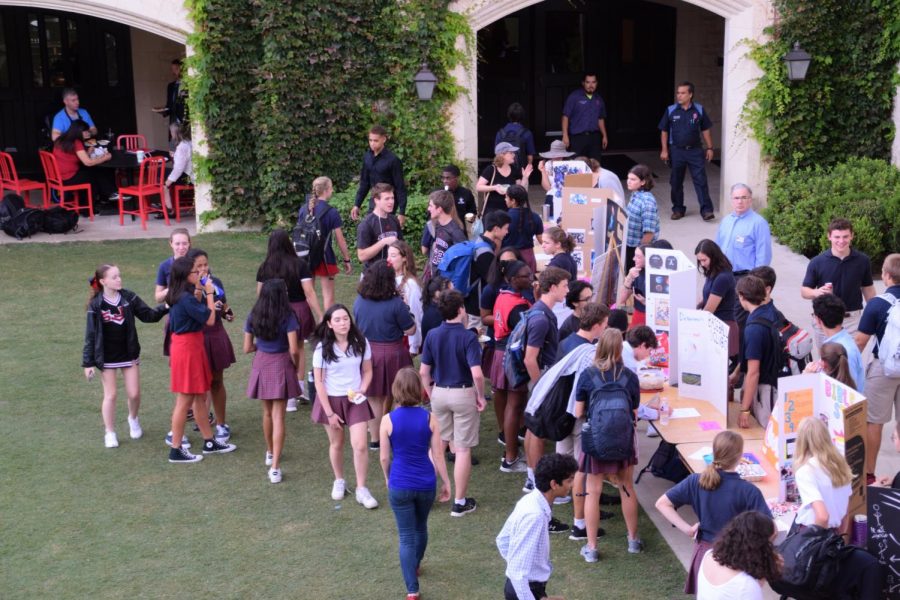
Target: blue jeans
<point>411,508</point>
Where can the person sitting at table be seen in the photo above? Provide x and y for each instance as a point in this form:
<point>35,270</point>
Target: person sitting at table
<point>182,164</point>
<point>70,113</point>
<point>74,162</point>
<point>717,495</point>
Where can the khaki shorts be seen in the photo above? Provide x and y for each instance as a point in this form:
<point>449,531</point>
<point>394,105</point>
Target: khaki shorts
<point>883,394</point>
<point>766,395</point>
<point>457,415</point>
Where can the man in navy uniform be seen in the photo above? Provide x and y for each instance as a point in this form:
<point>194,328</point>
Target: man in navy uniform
<point>584,120</point>
<point>681,128</point>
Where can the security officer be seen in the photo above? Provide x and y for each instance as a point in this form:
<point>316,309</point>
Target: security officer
<point>584,120</point>
<point>681,127</point>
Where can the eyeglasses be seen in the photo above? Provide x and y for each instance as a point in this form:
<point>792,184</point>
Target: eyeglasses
<point>740,197</point>
<point>587,299</point>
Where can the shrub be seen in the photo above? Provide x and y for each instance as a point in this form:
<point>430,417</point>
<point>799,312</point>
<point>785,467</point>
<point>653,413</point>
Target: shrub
<point>863,190</point>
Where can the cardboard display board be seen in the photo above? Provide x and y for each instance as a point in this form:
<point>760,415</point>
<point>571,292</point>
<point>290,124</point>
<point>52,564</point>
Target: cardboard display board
<point>593,220</point>
<point>842,408</point>
<point>568,173</point>
<point>702,364</point>
<point>671,284</point>
<point>883,536</point>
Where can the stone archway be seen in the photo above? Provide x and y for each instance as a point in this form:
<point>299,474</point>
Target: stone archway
<point>744,19</point>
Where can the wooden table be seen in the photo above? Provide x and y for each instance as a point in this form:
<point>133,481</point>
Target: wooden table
<point>768,486</point>
<point>687,430</point>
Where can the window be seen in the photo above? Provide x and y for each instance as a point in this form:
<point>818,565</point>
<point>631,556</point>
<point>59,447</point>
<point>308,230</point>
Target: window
<point>53,42</point>
<point>37,57</point>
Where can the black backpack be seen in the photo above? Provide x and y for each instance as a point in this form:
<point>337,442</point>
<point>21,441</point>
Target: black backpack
<point>516,137</point>
<point>775,364</point>
<point>309,240</point>
<point>10,206</point>
<point>60,220</point>
<point>665,463</point>
<point>551,421</point>
<point>812,559</point>
<point>608,430</point>
<point>18,221</point>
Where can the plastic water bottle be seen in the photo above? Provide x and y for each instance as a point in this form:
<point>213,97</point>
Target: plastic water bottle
<point>664,412</point>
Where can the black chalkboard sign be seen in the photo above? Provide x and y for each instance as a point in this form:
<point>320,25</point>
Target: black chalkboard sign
<point>883,514</point>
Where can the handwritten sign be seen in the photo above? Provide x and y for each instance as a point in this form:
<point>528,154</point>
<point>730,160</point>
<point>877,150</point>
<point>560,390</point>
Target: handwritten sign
<point>883,516</point>
<point>797,406</point>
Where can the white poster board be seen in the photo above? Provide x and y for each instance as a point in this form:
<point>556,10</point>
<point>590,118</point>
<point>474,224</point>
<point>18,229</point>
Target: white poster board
<point>671,283</point>
<point>702,364</point>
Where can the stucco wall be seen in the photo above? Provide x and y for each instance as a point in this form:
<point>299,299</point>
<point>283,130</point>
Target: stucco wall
<point>151,56</point>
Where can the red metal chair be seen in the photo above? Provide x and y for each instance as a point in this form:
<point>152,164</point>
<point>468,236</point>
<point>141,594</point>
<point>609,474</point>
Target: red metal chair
<point>9,180</point>
<point>55,183</point>
<point>150,183</point>
<point>132,142</point>
<point>178,203</point>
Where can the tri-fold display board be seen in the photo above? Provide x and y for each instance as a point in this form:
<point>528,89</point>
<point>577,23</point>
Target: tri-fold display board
<point>702,358</point>
<point>671,284</point>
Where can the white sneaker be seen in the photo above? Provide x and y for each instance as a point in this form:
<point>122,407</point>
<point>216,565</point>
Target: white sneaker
<point>291,405</point>
<point>134,428</point>
<point>274,475</point>
<point>269,459</point>
<point>651,431</point>
<point>364,497</point>
<point>339,489</point>
<point>110,440</point>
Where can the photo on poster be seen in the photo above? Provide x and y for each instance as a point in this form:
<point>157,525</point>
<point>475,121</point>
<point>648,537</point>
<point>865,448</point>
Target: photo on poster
<point>659,284</point>
<point>671,263</point>
<point>661,313</point>
<point>655,261</point>
<point>579,199</point>
<point>691,378</point>
<point>578,257</point>
<point>578,235</point>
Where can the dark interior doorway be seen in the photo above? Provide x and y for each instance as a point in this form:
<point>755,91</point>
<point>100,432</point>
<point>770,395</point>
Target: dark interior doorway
<point>42,52</point>
<point>537,56</point>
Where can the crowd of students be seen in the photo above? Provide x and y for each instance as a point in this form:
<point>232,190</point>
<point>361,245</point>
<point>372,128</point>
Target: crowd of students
<point>363,381</point>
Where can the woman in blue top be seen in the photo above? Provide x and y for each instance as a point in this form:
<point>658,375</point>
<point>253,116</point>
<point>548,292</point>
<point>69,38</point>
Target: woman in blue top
<point>271,331</point>
<point>559,245</point>
<point>719,296</point>
<point>412,432</point>
<point>717,495</point>
<point>384,319</point>
<point>190,374</point>
<point>525,225</point>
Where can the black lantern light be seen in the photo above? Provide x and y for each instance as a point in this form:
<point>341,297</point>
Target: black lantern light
<point>797,61</point>
<point>425,82</point>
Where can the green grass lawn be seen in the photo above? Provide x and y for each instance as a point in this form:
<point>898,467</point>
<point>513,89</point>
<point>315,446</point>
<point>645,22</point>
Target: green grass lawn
<point>80,521</point>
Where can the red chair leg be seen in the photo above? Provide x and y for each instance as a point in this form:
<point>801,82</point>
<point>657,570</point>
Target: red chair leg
<point>142,208</point>
<point>121,209</point>
<point>176,202</point>
<point>165,212</point>
<point>90,206</point>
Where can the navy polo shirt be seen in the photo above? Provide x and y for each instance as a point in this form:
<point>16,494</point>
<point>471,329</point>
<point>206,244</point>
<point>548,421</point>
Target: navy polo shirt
<point>715,508</point>
<point>451,352</point>
<point>874,317</point>
<point>756,339</point>
<point>584,113</point>
<point>382,320</point>
<point>847,276</point>
<point>543,333</point>
<point>722,285</point>
<point>684,125</point>
<point>570,343</point>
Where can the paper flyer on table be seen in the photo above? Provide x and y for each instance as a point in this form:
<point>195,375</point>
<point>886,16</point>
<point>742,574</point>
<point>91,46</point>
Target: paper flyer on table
<point>699,454</point>
<point>684,413</point>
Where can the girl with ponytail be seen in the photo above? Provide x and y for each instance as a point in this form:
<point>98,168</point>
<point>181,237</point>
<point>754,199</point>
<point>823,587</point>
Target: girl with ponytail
<point>559,244</point>
<point>835,363</point>
<point>331,224</point>
<point>717,495</point>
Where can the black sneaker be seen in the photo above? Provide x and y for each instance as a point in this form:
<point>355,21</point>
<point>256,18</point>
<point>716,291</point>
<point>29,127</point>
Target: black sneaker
<point>557,526</point>
<point>180,455</point>
<point>580,533</point>
<point>516,466</point>
<point>374,446</point>
<point>610,500</point>
<point>460,510</point>
<point>216,447</point>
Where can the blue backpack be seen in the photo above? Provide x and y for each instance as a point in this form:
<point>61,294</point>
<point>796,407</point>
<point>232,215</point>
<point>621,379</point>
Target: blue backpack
<point>456,264</point>
<point>514,356</point>
<point>608,430</point>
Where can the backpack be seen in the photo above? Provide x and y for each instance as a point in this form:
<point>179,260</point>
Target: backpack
<point>551,420</point>
<point>60,220</point>
<point>608,430</point>
<point>25,223</point>
<point>889,346</point>
<point>506,301</point>
<point>516,137</point>
<point>10,206</point>
<point>775,364</point>
<point>514,356</point>
<point>812,559</point>
<point>798,345</point>
<point>309,239</point>
<point>666,464</point>
<point>456,264</point>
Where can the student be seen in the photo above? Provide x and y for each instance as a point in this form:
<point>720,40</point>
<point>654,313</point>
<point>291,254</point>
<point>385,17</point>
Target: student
<point>593,321</point>
<point>502,174</point>
<point>330,223</point>
<point>518,135</point>
<point>883,392</point>
<point>379,228</point>
<point>834,363</point>
<point>111,344</point>
<point>608,367</point>
<point>271,330</point>
<point>182,164</point>
<point>580,293</point>
<point>604,178</point>
<point>463,196</point>
<point>76,167</point>
<point>496,226</point>
<point>384,319</point>
<point>643,216</point>
<point>717,495</point>
<point>219,350</point>
<point>828,316</point>
<point>524,542</point>
<point>401,259</point>
<point>442,230</point>
<point>190,375</point>
<point>412,436</point>
<point>380,167</point>
<point>282,262</point>
<point>635,283</point>
<point>743,556</point>
<point>342,368</point>
<point>759,356</point>
<point>542,348</point>
<point>823,482</point>
<point>559,245</point>
<point>639,342</point>
<point>431,316</point>
<point>718,289</point>
<point>451,359</point>
<point>618,319</point>
<point>525,225</point>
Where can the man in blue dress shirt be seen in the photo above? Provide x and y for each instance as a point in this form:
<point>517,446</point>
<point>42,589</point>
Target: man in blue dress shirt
<point>744,235</point>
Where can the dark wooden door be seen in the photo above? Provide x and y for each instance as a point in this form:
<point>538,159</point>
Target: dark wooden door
<point>46,51</point>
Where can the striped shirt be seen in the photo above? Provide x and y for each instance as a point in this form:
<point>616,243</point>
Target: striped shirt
<point>524,542</point>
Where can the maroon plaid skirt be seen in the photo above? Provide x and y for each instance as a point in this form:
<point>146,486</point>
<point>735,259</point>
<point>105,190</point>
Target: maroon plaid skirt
<point>273,377</point>
<point>700,549</point>
<point>305,318</point>
<point>350,413</point>
<point>387,359</point>
<point>218,346</point>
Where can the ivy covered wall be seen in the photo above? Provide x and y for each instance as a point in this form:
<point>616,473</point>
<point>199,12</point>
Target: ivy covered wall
<point>287,92</point>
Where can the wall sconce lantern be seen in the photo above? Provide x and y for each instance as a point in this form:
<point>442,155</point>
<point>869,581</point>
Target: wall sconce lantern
<point>797,61</point>
<point>425,82</point>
